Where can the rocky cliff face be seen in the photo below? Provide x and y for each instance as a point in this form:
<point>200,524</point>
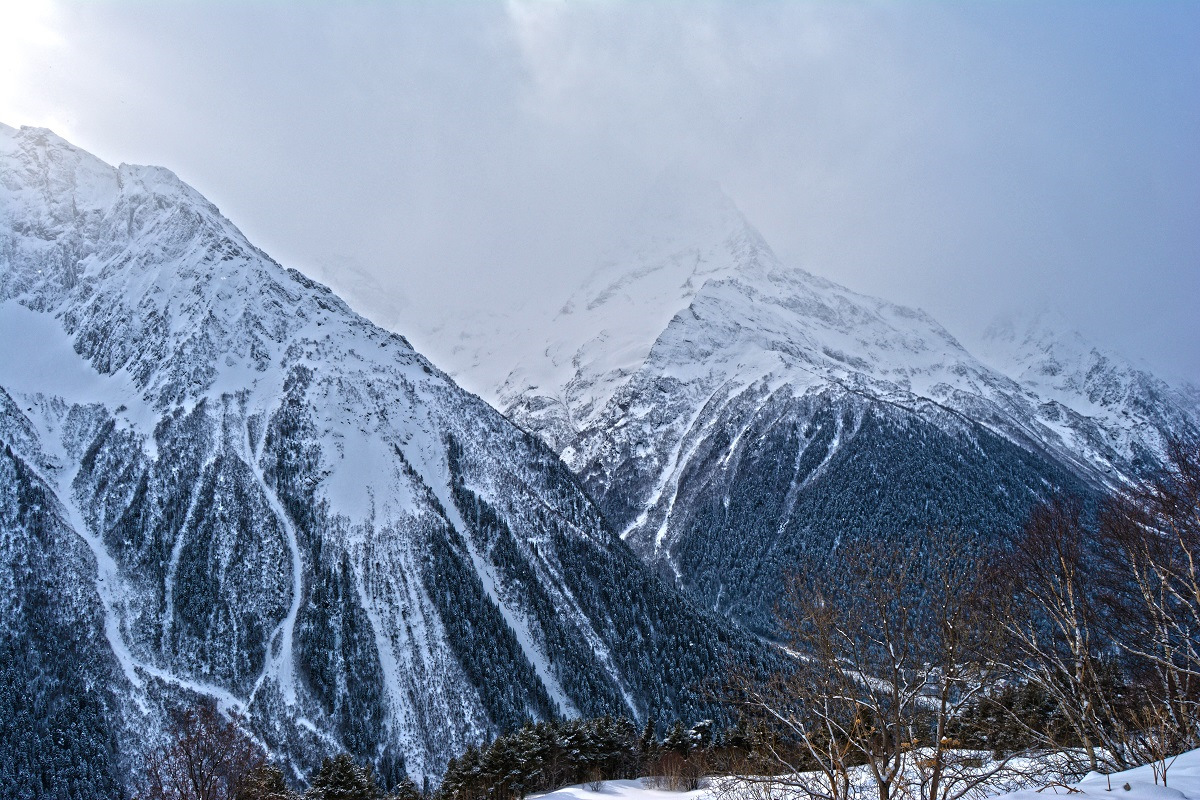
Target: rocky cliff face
<point>220,482</point>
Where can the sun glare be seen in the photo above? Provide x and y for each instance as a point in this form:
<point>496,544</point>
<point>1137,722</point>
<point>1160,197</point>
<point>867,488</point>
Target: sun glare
<point>27,36</point>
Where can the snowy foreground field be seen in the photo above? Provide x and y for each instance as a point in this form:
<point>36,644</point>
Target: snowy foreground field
<point>1182,783</point>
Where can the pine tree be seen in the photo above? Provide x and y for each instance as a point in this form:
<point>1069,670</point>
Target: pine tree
<point>677,740</point>
<point>647,745</point>
<point>339,778</point>
<point>265,782</point>
<point>530,749</point>
<point>405,789</point>
<point>451,780</point>
<point>701,734</point>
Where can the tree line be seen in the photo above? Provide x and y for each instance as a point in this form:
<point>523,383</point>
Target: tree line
<point>915,673</point>
<point>210,757</point>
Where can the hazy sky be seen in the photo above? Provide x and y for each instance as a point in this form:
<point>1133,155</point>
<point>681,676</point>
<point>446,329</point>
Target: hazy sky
<point>967,158</point>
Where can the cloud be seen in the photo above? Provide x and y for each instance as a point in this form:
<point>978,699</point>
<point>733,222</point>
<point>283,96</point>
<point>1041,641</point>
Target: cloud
<point>969,158</point>
<point>28,38</point>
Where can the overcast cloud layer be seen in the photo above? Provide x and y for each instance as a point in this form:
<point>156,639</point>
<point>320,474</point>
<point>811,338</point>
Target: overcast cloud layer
<point>970,159</point>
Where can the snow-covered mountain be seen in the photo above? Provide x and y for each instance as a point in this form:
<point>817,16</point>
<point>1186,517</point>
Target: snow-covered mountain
<point>731,414</point>
<point>217,481</point>
<point>1110,410</point>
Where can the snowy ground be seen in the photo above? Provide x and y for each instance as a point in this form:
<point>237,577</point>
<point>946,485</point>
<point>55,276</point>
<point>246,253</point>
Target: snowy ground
<point>622,790</point>
<point>1182,783</point>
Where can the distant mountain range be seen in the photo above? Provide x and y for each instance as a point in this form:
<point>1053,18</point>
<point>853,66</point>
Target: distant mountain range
<point>731,415</point>
<point>219,482</point>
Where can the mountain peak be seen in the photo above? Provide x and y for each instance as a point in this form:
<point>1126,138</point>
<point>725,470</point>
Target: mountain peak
<point>678,200</point>
<point>44,136</point>
<point>685,233</point>
<point>686,230</point>
<point>1046,344</point>
<point>147,275</point>
<point>1033,324</point>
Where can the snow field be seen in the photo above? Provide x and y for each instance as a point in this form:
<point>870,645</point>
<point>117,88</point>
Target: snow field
<point>1182,778</point>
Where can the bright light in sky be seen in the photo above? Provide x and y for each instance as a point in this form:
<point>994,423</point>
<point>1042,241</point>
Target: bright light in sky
<point>28,36</point>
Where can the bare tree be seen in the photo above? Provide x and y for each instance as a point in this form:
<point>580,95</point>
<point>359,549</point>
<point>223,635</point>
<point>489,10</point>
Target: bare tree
<point>884,663</point>
<point>1106,620</point>
<point>1053,621</point>
<point>209,758</point>
<point>1150,546</point>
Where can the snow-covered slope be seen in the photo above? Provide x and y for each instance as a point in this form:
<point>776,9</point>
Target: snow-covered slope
<point>731,414</point>
<point>226,484</point>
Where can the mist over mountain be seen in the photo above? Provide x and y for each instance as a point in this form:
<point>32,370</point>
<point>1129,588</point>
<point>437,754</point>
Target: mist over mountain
<point>731,414</point>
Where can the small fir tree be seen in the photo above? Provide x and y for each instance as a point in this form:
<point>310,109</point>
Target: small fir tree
<point>339,778</point>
